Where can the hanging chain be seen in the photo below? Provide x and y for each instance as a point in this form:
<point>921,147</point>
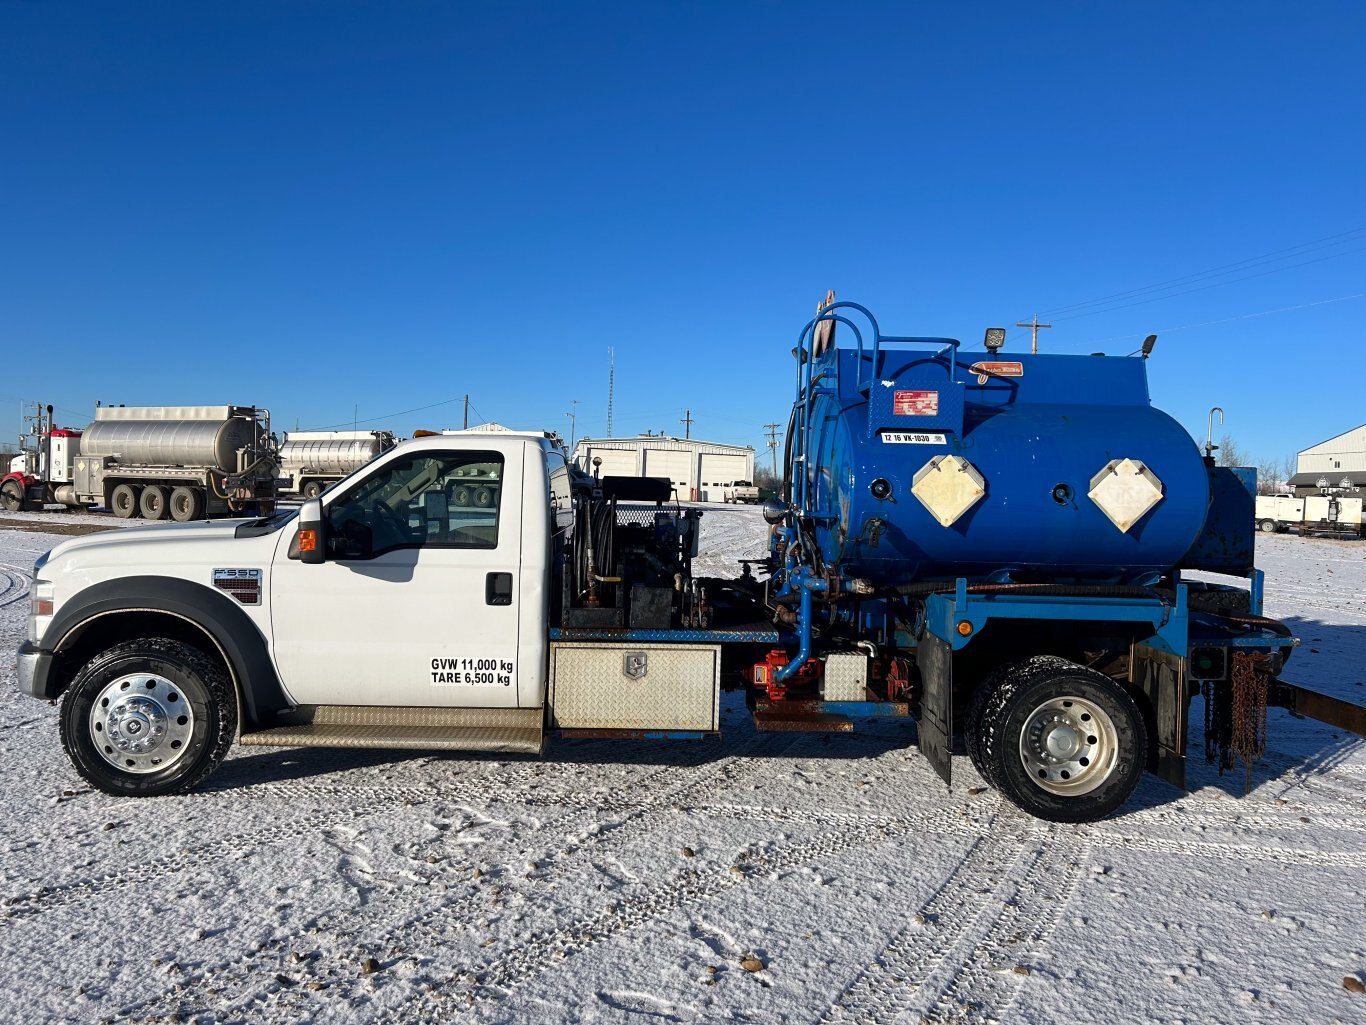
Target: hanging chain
<point>1251,671</point>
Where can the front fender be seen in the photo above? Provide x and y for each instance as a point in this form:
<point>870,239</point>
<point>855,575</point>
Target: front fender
<point>238,639</point>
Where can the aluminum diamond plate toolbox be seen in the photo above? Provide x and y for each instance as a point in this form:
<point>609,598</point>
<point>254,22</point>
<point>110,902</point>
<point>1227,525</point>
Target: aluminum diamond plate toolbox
<point>635,686</point>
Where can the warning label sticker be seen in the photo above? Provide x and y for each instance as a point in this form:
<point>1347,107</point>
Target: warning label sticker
<point>996,368</point>
<point>915,403</point>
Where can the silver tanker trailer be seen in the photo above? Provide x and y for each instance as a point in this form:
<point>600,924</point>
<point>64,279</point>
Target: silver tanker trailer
<point>313,460</point>
<point>181,462</point>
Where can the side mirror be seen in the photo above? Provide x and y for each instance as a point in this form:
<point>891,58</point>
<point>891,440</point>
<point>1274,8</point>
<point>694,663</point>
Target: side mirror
<point>312,532</point>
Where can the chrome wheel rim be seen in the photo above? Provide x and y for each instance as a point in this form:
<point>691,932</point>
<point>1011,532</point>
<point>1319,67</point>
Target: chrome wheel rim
<point>1068,746</point>
<point>141,723</point>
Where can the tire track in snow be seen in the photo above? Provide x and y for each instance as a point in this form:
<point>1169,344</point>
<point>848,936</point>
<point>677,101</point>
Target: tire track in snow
<point>1258,851</point>
<point>15,582</point>
<point>434,923</point>
<point>239,845</point>
<point>888,987</point>
<point>986,982</point>
<point>535,954</point>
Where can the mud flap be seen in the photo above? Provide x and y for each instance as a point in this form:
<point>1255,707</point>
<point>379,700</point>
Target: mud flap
<point>1160,677</point>
<point>935,729</point>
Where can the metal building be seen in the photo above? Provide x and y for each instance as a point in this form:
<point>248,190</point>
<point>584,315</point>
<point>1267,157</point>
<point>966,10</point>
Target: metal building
<point>1336,465</point>
<point>700,471</point>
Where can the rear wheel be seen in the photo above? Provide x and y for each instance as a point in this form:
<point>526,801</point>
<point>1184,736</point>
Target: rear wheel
<point>977,712</point>
<point>123,501</point>
<point>147,717</point>
<point>312,489</point>
<point>186,504</point>
<point>1062,742</point>
<point>154,503</point>
<point>12,496</point>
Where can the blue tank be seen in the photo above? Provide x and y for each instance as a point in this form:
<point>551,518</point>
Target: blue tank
<point>925,464</point>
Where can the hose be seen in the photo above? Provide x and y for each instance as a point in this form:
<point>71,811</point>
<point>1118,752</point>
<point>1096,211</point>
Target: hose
<point>1029,590</point>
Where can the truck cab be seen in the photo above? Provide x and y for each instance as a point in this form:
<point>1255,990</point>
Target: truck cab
<point>424,597</point>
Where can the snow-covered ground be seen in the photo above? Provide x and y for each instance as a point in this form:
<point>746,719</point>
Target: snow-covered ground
<point>639,882</point>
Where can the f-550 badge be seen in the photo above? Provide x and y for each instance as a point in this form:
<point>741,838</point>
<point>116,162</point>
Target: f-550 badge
<point>635,664</point>
<point>242,584</point>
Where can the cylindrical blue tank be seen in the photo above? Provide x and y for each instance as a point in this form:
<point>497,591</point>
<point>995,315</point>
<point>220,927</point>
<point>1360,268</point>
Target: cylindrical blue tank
<point>1035,432</point>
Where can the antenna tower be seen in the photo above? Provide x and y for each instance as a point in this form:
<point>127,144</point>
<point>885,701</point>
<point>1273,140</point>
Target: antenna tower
<point>611,384</point>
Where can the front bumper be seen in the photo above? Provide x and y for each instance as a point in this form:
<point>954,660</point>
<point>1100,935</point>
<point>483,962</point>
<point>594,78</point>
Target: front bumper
<point>35,671</point>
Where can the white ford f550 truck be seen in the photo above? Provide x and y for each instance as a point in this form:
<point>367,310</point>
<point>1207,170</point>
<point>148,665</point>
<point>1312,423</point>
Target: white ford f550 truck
<point>386,614</point>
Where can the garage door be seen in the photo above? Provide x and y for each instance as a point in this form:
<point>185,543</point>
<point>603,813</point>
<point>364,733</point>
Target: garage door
<point>718,473</point>
<point>675,467</point>
<point>616,462</point>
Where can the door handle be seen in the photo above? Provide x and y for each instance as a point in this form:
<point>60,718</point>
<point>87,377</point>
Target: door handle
<point>498,589</point>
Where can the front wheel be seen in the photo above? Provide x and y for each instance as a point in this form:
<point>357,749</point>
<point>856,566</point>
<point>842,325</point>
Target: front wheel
<point>12,496</point>
<point>148,717</point>
<point>1062,742</point>
<point>1267,526</point>
<point>312,489</point>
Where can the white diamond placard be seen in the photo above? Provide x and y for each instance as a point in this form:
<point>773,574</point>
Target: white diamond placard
<point>948,486</point>
<point>1124,491</point>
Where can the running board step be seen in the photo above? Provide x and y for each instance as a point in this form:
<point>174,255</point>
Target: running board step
<point>510,730</point>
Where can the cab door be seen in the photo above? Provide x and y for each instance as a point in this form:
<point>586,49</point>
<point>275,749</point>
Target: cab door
<point>418,601</point>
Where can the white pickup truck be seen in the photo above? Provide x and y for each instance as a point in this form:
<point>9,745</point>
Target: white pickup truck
<point>1279,513</point>
<point>741,492</point>
<point>388,614</point>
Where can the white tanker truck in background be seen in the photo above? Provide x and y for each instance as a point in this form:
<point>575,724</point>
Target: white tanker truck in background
<point>181,462</point>
<point>313,460</point>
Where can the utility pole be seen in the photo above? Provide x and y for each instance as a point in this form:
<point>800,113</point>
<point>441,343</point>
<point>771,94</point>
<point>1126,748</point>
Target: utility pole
<point>687,423</point>
<point>467,413</point>
<point>773,446</point>
<point>1034,338</point>
<point>572,421</point>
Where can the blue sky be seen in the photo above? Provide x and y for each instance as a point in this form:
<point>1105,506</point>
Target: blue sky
<point>348,210</point>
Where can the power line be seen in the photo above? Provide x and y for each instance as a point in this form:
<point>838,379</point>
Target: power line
<point>1217,284</point>
<point>387,416</point>
<point>1229,320</point>
<point>1342,238</point>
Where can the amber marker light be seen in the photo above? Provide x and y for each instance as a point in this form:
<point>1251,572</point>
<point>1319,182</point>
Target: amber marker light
<point>308,540</point>
<point>964,627</point>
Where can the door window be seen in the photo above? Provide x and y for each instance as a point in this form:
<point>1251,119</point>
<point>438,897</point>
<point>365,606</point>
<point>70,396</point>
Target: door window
<point>427,500</point>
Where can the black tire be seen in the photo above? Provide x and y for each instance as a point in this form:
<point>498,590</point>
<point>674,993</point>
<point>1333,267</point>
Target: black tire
<point>123,501</point>
<point>312,489</point>
<point>462,496</point>
<point>1267,526</point>
<point>1073,704</point>
<point>194,742</point>
<point>186,504</point>
<point>973,726</point>
<point>12,496</point>
<point>483,497</point>
<point>154,503</point>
